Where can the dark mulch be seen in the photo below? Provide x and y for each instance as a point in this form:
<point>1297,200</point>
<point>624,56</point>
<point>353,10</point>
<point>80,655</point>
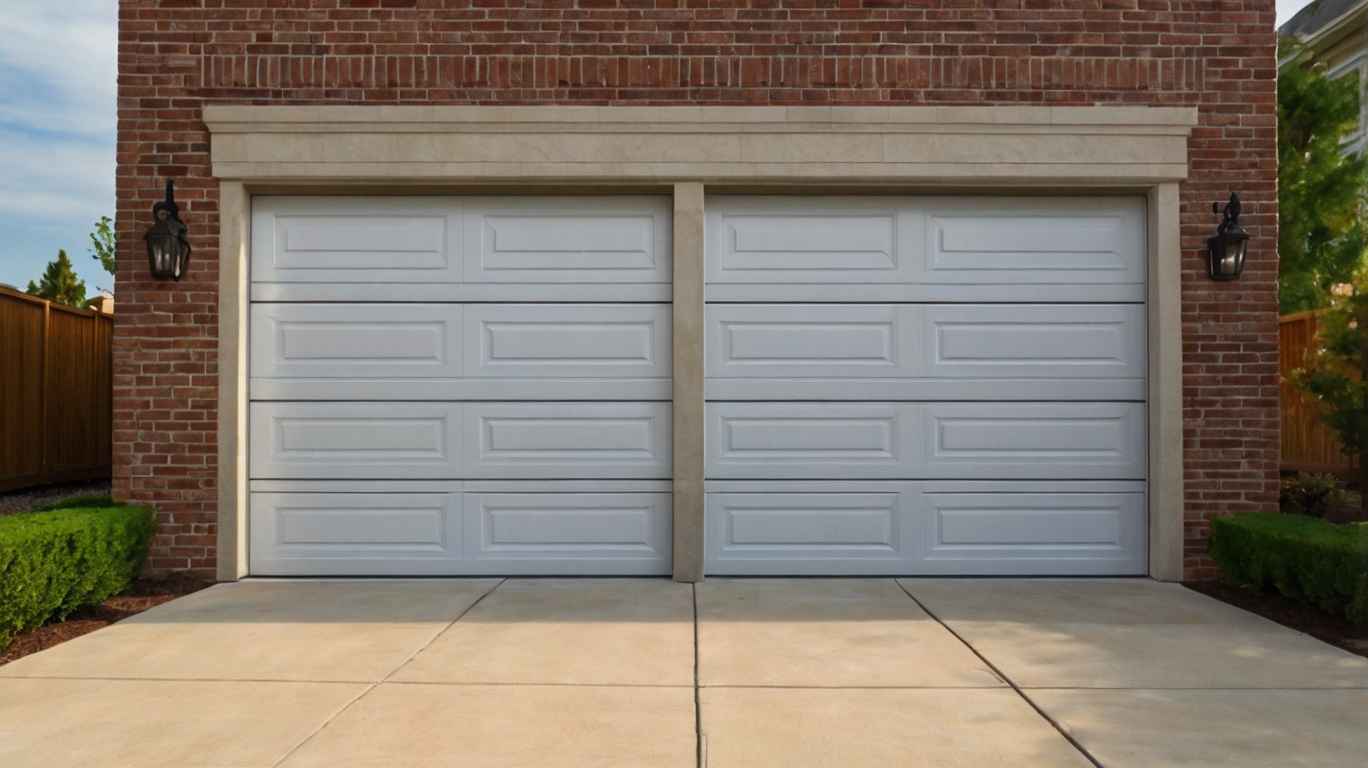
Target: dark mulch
<point>28,498</point>
<point>143,594</point>
<point>1335,630</point>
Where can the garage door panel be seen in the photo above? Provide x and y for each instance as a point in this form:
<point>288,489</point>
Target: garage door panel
<point>355,440</point>
<point>551,241</point>
<point>928,249</point>
<point>568,440</point>
<point>821,532</point>
<point>355,341</point>
<point>1034,533</point>
<point>1071,341</point>
<point>995,389</point>
<point>460,249</point>
<point>1005,240</point>
<point>395,530</point>
<point>764,240</point>
<point>1034,440</point>
<point>593,532</point>
<point>355,240</point>
<point>353,533</point>
<point>870,351</point>
<point>926,440</point>
<point>781,341</point>
<point>460,351</point>
<point>882,527</point>
<point>567,341</point>
<point>819,440</point>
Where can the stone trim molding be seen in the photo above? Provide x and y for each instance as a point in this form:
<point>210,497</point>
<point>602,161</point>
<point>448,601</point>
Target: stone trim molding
<point>691,150</point>
<point>968,145</point>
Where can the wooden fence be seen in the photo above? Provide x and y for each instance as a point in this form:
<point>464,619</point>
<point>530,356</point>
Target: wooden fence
<point>1307,444</point>
<point>56,392</point>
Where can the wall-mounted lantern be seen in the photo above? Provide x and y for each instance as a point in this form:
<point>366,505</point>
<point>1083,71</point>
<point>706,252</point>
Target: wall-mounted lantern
<point>1227,248</point>
<point>168,252</point>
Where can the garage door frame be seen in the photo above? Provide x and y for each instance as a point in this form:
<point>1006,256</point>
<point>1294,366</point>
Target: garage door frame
<point>690,151</point>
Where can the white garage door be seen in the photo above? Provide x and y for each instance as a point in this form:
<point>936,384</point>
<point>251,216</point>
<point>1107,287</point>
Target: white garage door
<point>925,385</point>
<point>460,386</point>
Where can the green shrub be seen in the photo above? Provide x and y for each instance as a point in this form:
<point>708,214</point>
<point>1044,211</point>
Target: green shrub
<point>53,562</point>
<point>1310,560</point>
<point>1310,494</point>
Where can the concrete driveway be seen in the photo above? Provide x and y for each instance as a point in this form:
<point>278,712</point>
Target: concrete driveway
<point>728,674</point>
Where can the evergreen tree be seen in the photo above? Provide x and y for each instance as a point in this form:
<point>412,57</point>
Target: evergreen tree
<point>59,283</point>
<point>1322,235</point>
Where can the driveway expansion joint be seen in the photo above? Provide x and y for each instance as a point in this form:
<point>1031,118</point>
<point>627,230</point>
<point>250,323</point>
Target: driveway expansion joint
<point>1005,678</point>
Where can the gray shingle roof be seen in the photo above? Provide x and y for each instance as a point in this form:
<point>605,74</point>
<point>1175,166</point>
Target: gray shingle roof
<point>1315,16</point>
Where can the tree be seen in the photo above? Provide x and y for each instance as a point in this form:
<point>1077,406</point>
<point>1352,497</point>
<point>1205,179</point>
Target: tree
<point>59,283</point>
<point>104,244</point>
<point>1322,236</point>
<point>1336,374</point>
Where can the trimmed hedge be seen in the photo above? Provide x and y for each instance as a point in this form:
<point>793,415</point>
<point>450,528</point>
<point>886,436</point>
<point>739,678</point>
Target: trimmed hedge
<point>1302,557</point>
<point>53,562</point>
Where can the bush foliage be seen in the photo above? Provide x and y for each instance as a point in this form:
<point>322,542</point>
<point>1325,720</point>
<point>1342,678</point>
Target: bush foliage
<point>1312,495</point>
<point>53,562</point>
<point>1309,560</point>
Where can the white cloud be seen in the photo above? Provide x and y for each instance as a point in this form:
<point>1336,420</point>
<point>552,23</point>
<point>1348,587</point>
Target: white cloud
<point>58,66</point>
<point>57,110</point>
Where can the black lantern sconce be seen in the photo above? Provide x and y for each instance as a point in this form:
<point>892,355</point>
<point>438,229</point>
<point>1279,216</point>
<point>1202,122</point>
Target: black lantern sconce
<point>168,252</point>
<point>1228,247</point>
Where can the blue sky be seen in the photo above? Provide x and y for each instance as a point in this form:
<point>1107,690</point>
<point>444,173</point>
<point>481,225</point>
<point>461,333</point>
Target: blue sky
<point>57,118</point>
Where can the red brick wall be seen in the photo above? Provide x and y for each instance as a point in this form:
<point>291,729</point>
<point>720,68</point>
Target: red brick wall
<point>175,55</point>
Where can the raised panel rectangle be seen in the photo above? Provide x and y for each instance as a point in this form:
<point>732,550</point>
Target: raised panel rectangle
<point>1067,341</point>
<point>355,240</point>
<point>441,248</point>
<point>815,440</point>
<point>354,533</point>
<point>926,249</point>
<point>808,240</point>
<point>567,341</point>
<point>414,351</point>
<point>355,341</point>
<point>568,440</point>
<point>1036,240</point>
<point>805,533</point>
<point>1038,533</point>
<point>783,341</point>
<point>355,440</point>
<point>1035,440</point>
<point>966,527</point>
<point>925,352</point>
<point>551,241</point>
<point>610,531</point>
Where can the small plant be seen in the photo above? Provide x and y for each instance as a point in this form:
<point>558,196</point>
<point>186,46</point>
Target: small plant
<point>1313,495</point>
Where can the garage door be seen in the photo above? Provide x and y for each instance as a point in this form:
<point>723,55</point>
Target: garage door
<point>925,385</point>
<point>459,386</point>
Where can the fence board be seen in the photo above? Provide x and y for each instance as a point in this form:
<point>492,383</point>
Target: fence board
<point>56,392</point>
<point>1307,444</point>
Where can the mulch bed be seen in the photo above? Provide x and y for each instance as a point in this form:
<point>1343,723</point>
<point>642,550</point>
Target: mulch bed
<point>1323,626</point>
<point>143,594</point>
<point>22,501</point>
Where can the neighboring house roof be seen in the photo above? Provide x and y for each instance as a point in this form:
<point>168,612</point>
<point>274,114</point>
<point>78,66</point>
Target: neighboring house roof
<point>1317,16</point>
